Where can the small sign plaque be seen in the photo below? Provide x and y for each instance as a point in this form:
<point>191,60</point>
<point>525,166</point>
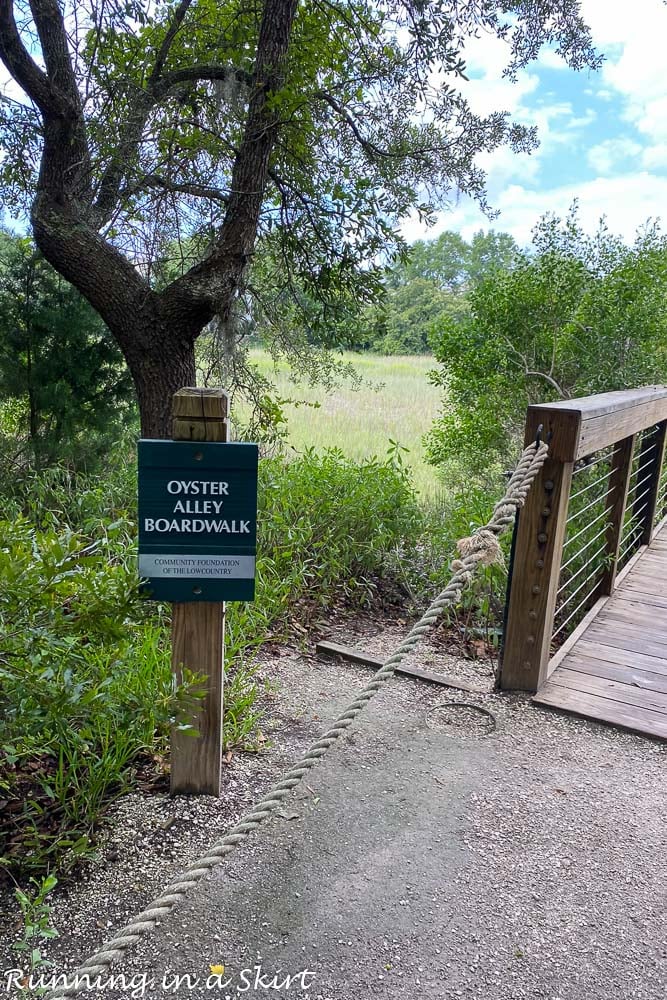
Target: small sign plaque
<point>198,520</point>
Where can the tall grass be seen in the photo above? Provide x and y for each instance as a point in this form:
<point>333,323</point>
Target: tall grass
<point>396,403</point>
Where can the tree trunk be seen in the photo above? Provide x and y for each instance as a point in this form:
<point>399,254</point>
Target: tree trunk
<point>157,376</point>
<point>155,330</point>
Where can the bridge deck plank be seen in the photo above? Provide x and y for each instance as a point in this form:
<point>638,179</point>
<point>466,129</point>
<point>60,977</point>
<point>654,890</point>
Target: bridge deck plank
<point>616,672</point>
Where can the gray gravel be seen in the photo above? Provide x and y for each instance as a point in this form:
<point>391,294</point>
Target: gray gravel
<point>429,855</point>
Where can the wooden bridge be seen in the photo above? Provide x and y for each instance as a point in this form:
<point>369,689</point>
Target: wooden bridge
<point>586,617</point>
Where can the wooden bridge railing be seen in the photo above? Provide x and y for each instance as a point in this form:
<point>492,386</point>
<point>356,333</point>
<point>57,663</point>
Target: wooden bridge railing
<point>593,507</point>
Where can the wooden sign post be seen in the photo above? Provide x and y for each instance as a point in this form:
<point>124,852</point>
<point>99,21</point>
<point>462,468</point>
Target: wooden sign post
<point>198,628</point>
<point>197,539</point>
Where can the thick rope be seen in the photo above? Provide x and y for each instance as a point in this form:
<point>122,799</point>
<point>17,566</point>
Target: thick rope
<point>480,549</point>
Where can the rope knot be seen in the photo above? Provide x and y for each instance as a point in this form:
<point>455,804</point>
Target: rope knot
<point>482,547</point>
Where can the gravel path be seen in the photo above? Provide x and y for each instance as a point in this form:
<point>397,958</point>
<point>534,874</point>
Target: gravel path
<point>430,855</point>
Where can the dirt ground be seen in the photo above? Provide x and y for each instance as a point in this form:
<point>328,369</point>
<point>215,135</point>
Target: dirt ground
<point>491,849</point>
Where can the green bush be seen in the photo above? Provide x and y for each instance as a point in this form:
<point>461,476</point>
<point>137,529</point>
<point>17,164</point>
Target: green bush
<point>85,677</point>
<point>83,684</point>
<point>481,607</point>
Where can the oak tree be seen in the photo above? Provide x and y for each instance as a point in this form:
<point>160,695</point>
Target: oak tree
<point>314,127</point>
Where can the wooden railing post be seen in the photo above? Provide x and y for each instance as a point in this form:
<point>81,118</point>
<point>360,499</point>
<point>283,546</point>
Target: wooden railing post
<point>198,627</point>
<point>575,429</point>
<point>538,554</point>
<point>619,480</point>
<point>654,468</point>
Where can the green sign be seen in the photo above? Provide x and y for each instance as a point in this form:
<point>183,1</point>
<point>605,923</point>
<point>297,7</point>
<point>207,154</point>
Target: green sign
<point>197,520</point>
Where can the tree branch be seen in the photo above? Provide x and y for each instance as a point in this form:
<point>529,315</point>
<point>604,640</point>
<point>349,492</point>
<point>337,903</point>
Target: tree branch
<point>53,40</point>
<point>179,187</point>
<point>172,31</point>
<point>369,147</point>
<point>21,65</point>
<point>193,74</point>
<point>137,117</point>
<point>211,285</point>
<point>65,159</point>
<point>563,393</point>
<point>365,143</point>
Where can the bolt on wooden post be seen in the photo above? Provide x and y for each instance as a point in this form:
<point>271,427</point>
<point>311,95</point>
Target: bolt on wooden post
<point>198,628</point>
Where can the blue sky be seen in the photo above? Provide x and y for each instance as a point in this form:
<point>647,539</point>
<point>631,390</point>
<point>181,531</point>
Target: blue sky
<point>603,136</point>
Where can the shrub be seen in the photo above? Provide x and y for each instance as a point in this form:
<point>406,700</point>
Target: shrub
<point>85,677</point>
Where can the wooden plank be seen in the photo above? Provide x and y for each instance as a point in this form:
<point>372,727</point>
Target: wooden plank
<point>619,691</point>
<point>639,631</point>
<point>605,418</point>
<point>200,415</point>
<point>367,660</point>
<point>651,565</point>
<point>622,672</point>
<point>653,557</point>
<point>656,551</point>
<point>606,403</point>
<point>198,644</point>
<point>632,659</point>
<point>629,566</point>
<point>600,432</point>
<point>649,574</point>
<point>635,643</point>
<point>573,639</point>
<point>651,621</point>
<point>654,584</point>
<point>637,612</point>
<point>198,628</point>
<point>590,706</point>
<point>630,595</point>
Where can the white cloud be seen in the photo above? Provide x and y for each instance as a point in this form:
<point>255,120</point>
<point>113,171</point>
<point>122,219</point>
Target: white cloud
<point>627,202</point>
<point>651,118</point>
<point>486,90</point>
<point>551,60</point>
<point>655,157</point>
<point>632,144</point>
<point>503,165</point>
<point>635,41</point>
<point>605,157</point>
<point>611,22</point>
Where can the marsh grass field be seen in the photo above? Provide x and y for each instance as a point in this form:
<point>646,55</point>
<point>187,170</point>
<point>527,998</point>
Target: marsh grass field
<point>396,402</point>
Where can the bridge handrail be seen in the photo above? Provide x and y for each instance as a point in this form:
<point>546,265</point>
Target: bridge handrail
<point>576,429</point>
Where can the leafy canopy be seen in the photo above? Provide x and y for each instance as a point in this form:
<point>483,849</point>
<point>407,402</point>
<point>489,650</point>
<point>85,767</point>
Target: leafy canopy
<point>578,314</point>
<point>373,122</point>
<point>64,388</point>
<point>426,288</point>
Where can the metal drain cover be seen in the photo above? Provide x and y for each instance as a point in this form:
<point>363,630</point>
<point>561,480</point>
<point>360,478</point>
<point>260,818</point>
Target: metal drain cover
<point>456,718</point>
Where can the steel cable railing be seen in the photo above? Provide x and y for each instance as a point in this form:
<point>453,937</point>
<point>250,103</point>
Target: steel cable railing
<point>597,503</point>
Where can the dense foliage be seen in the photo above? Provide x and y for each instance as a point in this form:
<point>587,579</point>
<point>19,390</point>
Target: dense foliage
<point>429,288</point>
<point>86,698</point>
<point>577,314</point>
<point>65,393</point>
